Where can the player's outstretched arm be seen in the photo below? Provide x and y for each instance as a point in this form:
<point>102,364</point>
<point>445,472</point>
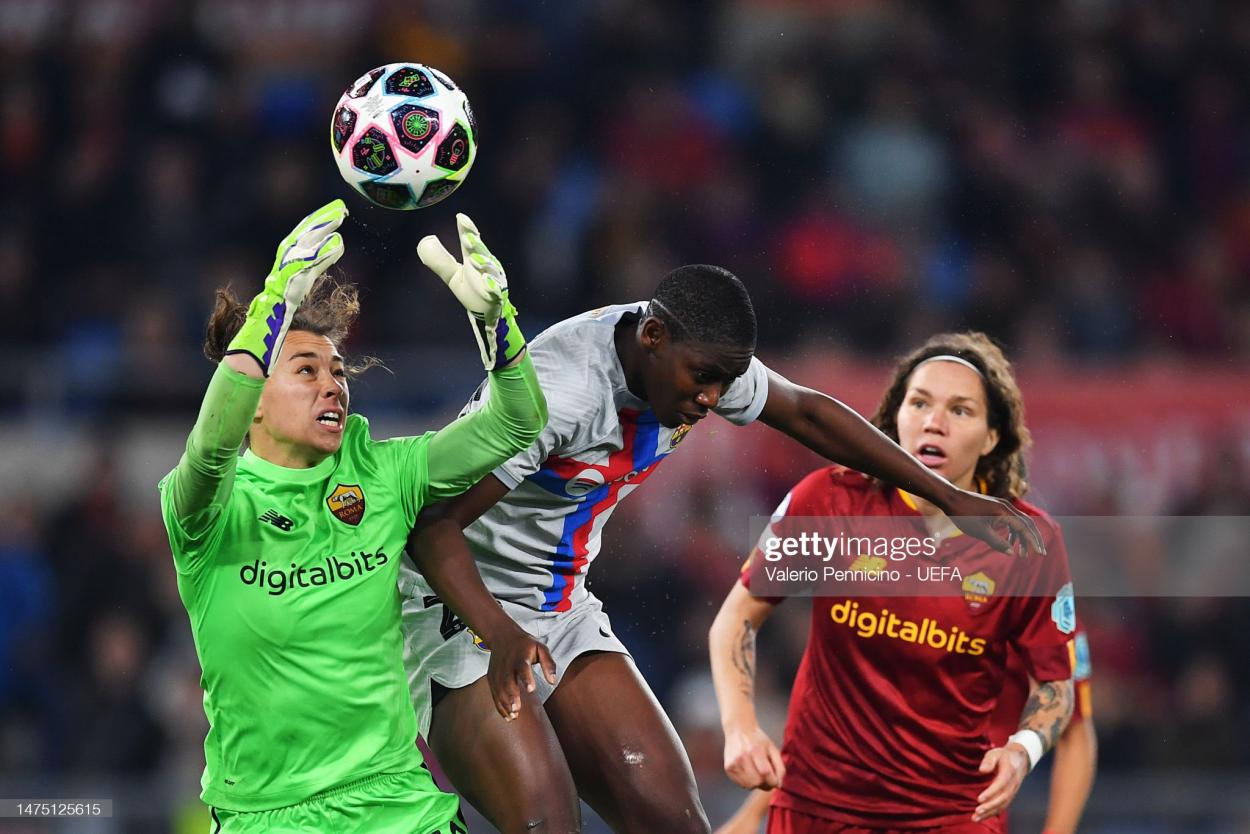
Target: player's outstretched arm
<point>752,759</point>
<point>516,411</point>
<point>750,816</point>
<point>1043,719</point>
<point>442,554</point>
<point>832,429</point>
<point>200,485</point>
<point>1071,777</point>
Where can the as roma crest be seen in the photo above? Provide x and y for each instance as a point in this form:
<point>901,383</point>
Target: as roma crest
<point>347,502</point>
<point>978,589</point>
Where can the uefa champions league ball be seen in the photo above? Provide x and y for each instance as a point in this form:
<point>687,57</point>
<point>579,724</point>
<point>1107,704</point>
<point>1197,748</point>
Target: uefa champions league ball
<point>404,136</point>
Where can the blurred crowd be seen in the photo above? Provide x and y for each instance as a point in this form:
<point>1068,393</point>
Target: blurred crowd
<point>1073,178</point>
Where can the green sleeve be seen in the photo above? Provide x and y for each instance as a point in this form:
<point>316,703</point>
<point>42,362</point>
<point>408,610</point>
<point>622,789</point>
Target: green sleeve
<point>195,492</point>
<point>465,451</point>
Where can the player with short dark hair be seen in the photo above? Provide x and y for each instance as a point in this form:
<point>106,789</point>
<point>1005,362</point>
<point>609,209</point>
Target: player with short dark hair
<point>287,557</point>
<point>624,385</point>
<point>714,307</point>
<point>890,716</point>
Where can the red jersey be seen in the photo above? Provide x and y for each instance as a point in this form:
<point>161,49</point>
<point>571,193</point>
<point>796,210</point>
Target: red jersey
<point>1015,692</point>
<point>891,707</point>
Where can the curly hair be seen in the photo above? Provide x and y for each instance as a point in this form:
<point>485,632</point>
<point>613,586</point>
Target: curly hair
<point>329,310</point>
<point>1003,471</point>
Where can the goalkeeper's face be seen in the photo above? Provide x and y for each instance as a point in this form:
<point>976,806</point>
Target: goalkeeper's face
<point>303,407</point>
<point>685,380</point>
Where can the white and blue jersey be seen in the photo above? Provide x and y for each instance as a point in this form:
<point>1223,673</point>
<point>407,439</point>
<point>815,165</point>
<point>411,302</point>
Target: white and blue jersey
<point>534,546</point>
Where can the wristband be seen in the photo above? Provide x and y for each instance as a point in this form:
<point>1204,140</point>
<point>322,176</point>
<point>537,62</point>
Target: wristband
<point>1031,741</point>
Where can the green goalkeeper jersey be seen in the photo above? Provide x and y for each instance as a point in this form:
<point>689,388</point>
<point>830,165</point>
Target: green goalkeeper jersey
<point>289,578</point>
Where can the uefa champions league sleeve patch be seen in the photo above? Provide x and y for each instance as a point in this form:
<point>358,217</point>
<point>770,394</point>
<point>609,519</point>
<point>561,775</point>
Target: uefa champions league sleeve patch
<point>1063,609</point>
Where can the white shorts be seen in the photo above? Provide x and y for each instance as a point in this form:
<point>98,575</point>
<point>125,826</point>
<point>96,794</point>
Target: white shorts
<point>438,646</point>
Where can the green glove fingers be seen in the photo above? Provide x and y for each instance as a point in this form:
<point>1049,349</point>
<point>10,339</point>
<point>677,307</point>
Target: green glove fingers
<point>481,285</point>
<point>312,229</point>
<point>303,256</point>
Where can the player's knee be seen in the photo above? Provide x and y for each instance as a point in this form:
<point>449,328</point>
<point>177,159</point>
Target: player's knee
<point>659,799</point>
<point>557,823</point>
<point>684,817</point>
<point>688,820</point>
<point>542,826</point>
<point>691,820</point>
<point>542,812</point>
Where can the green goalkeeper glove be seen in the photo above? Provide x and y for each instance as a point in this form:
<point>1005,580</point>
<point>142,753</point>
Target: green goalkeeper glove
<point>481,286</point>
<point>303,255</point>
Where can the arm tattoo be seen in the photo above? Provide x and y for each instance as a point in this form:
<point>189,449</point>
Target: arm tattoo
<point>744,658</point>
<point>1048,710</point>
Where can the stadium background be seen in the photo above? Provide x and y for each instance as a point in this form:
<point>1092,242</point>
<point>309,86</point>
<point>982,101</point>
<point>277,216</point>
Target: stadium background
<point>1071,177</point>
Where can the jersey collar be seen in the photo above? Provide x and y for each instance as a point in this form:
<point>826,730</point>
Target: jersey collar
<point>287,475</point>
<point>910,500</point>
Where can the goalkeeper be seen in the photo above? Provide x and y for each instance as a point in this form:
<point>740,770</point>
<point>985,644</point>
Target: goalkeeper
<point>287,557</point>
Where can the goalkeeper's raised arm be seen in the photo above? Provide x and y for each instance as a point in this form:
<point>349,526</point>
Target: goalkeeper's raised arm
<point>516,412</point>
<point>200,485</point>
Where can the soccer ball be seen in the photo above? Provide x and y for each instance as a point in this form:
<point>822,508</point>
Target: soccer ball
<point>404,136</point>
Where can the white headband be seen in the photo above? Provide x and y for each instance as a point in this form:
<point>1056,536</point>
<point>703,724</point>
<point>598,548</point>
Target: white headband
<point>946,357</point>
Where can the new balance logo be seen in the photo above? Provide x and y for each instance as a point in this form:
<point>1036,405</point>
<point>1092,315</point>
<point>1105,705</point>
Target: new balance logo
<point>277,520</point>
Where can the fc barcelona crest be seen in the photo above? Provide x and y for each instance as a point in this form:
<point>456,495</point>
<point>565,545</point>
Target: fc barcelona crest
<point>678,436</point>
<point>347,502</point>
<point>479,642</point>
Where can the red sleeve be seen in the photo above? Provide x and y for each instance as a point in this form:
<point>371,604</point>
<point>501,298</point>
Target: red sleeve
<point>1047,623</point>
<point>812,496</point>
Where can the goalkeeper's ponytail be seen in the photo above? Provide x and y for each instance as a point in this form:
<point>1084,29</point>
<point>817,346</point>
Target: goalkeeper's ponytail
<point>223,323</point>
